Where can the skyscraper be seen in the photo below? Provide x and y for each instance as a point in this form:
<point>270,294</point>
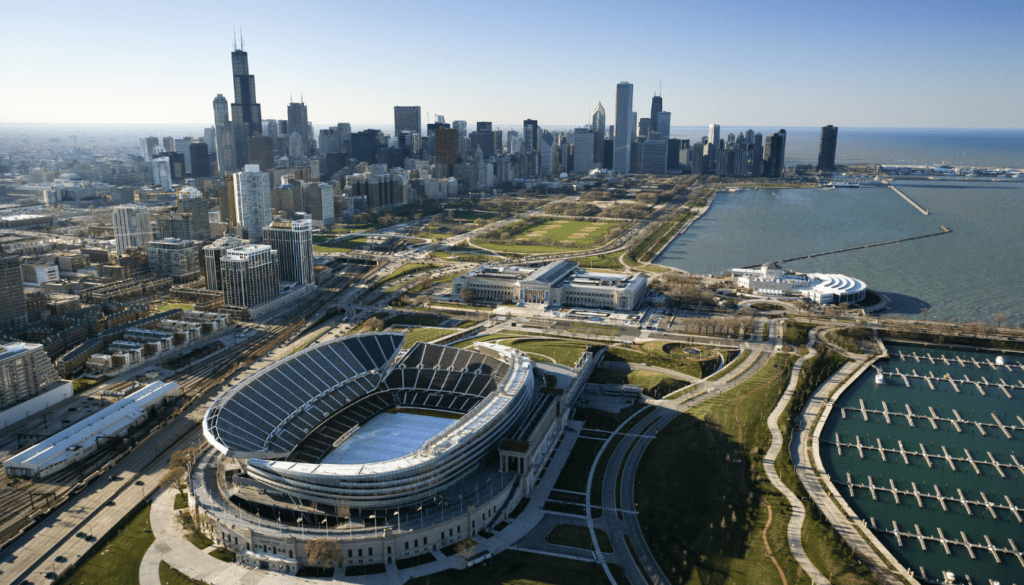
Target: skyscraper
<point>252,201</point>
<point>190,200</point>
<point>246,119</point>
<point>293,241</point>
<point>225,138</point>
<point>12,297</point>
<point>623,123</point>
<point>597,124</point>
<point>827,148</point>
<point>250,275</point>
<point>407,119</point>
<point>714,136</point>
<point>131,227</point>
<point>261,152</point>
<point>298,123</point>
<point>655,110</point>
<point>775,154</point>
<point>25,372</point>
<point>583,151</point>
<point>446,145</point>
<point>663,125</point>
<point>199,154</point>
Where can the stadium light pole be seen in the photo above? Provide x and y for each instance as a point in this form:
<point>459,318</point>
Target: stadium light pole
<point>299,522</point>
<point>327,526</point>
<point>399,520</point>
<point>420,510</point>
<point>374,518</point>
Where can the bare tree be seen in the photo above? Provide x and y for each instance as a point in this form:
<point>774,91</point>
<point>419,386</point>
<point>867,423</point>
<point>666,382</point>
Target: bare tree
<point>999,319</point>
<point>323,551</point>
<point>375,323</point>
<point>467,295</point>
<point>466,549</point>
<point>925,313</point>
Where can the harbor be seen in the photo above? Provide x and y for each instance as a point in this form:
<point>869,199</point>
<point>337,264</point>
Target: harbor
<point>922,448</point>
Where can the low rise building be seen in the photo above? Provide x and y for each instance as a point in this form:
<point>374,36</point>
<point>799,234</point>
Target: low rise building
<point>558,284</point>
<point>824,289</point>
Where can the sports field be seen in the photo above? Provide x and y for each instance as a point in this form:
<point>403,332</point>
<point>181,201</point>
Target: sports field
<point>538,236</point>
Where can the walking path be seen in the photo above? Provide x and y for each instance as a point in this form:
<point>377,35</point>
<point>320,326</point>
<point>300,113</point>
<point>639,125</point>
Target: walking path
<point>796,520</point>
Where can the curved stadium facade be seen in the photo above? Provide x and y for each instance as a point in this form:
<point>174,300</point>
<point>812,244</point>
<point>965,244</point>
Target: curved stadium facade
<point>277,436</point>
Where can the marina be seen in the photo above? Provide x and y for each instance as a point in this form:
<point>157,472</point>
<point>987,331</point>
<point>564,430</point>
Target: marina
<point>923,448</point>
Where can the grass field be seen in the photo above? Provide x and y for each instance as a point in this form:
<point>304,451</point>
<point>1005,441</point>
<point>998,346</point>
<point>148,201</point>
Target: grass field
<point>117,562</point>
<point>533,236</point>
<point>564,352</point>
<point>341,245</point>
<point>171,576</point>
<point>423,334</point>
<point>578,537</point>
<point>796,333</point>
<point>609,260</point>
<point>655,385</point>
<point>520,568</point>
<point>731,365</point>
<point>697,369</point>
<point>81,384</point>
<point>716,535</point>
<point>172,306</point>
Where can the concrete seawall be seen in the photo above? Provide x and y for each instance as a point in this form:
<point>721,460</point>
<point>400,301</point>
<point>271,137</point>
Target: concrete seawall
<point>909,200</point>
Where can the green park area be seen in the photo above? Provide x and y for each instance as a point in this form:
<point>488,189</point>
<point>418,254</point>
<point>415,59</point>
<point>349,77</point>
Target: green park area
<point>116,562</point>
<point>541,235</point>
<point>424,334</point>
<point>735,533</point>
<point>514,567</point>
<point>346,245</point>
<point>172,306</point>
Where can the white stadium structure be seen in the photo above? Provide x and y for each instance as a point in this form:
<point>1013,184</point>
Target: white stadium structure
<point>351,438</point>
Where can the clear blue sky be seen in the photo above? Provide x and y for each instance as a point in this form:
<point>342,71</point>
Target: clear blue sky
<point>883,64</point>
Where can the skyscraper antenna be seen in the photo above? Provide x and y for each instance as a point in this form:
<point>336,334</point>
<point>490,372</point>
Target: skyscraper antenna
<point>241,37</point>
<point>659,87</point>
<point>234,39</point>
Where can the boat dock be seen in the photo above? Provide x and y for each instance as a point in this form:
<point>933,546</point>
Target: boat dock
<point>919,496</point>
<point>946,456</point>
<point>947,542</point>
<point>934,419</point>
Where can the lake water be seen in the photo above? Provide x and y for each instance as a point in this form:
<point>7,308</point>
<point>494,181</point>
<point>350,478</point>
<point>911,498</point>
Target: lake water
<point>982,442</point>
<point>972,273</point>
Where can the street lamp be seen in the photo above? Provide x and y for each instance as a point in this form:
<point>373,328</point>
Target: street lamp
<point>399,520</point>
<point>374,518</point>
<point>299,522</point>
<point>328,526</point>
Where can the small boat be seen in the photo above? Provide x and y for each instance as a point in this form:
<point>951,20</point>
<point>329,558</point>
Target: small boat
<point>879,379</point>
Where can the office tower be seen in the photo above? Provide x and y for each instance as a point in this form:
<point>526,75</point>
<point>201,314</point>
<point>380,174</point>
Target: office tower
<point>261,152</point>
<point>131,227</point>
<point>245,110</point>
<point>176,258</point>
<point>318,202</point>
<point>272,130</point>
<point>161,169</point>
<point>774,154</point>
<point>191,201</point>
<point>298,123</point>
<point>664,124</point>
<point>252,201</point>
<point>623,123</point>
<point>224,146</point>
<point>547,146</point>
<point>293,241</point>
<point>407,119</point>
<point>461,127</point>
<point>654,156</point>
<point>12,297</point>
<point>597,124</point>
<point>484,140</point>
<point>25,372</point>
<point>714,137</point>
<point>655,110</point>
<point>345,137</point>
<point>168,142</point>
<point>327,141</point>
<point>827,148</point>
<point>199,154</point>
<point>181,146</point>
<point>210,138</point>
<point>213,254</point>
<point>365,145</point>
<point>446,145</point>
<point>250,275</point>
<point>531,147</point>
<point>295,148</point>
<point>149,147</point>
<point>674,153</point>
<point>645,128</point>
<point>583,151</point>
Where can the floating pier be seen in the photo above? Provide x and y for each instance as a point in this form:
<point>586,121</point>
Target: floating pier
<point>946,455</point>
<point>947,542</point>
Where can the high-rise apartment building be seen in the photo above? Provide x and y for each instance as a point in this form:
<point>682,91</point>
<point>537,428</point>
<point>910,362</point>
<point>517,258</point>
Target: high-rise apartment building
<point>252,201</point>
<point>131,227</point>
<point>293,241</point>
<point>655,110</point>
<point>160,166</point>
<point>250,275</point>
<point>407,119</point>
<point>176,258</point>
<point>212,255</point>
<point>191,201</point>
<point>25,372</point>
<point>13,312</point>
<point>827,148</point>
<point>623,123</point>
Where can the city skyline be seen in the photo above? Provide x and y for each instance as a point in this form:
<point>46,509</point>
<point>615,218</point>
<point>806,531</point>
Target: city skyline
<point>834,64</point>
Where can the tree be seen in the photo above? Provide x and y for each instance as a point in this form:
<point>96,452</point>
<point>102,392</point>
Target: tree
<point>999,319</point>
<point>925,313</point>
<point>375,323</point>
<point>467,295</point>
<point>465,549</point>
<point>323,551</point>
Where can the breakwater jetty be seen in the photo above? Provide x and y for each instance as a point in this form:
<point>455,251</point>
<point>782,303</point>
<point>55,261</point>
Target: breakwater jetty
<point>945,230</point>
<point>909,200</point>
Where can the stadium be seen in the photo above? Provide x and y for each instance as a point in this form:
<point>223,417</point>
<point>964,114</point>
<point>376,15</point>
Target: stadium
<point>391,452</point>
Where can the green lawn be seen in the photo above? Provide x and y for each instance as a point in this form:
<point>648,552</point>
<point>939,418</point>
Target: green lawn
<point>731,365</point>
<point>690,367</point>
<point>346,245</point>
<point>576,470</point>
<point>223,554</point>
<point>423,334</point>
<point>565,352</point>
<point>180,501</point>
<point>172,306</point>
<point>578,537</point>
<point>707,535</point>
<point>526,236</point>
<point>117,561</point>
<point>405,271</point>
<point>655,385</point>
<point>609,260</point>
<point>80,384</point>
<point>171,576</point>
<point>796,333</point>
<point>520,568</point>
